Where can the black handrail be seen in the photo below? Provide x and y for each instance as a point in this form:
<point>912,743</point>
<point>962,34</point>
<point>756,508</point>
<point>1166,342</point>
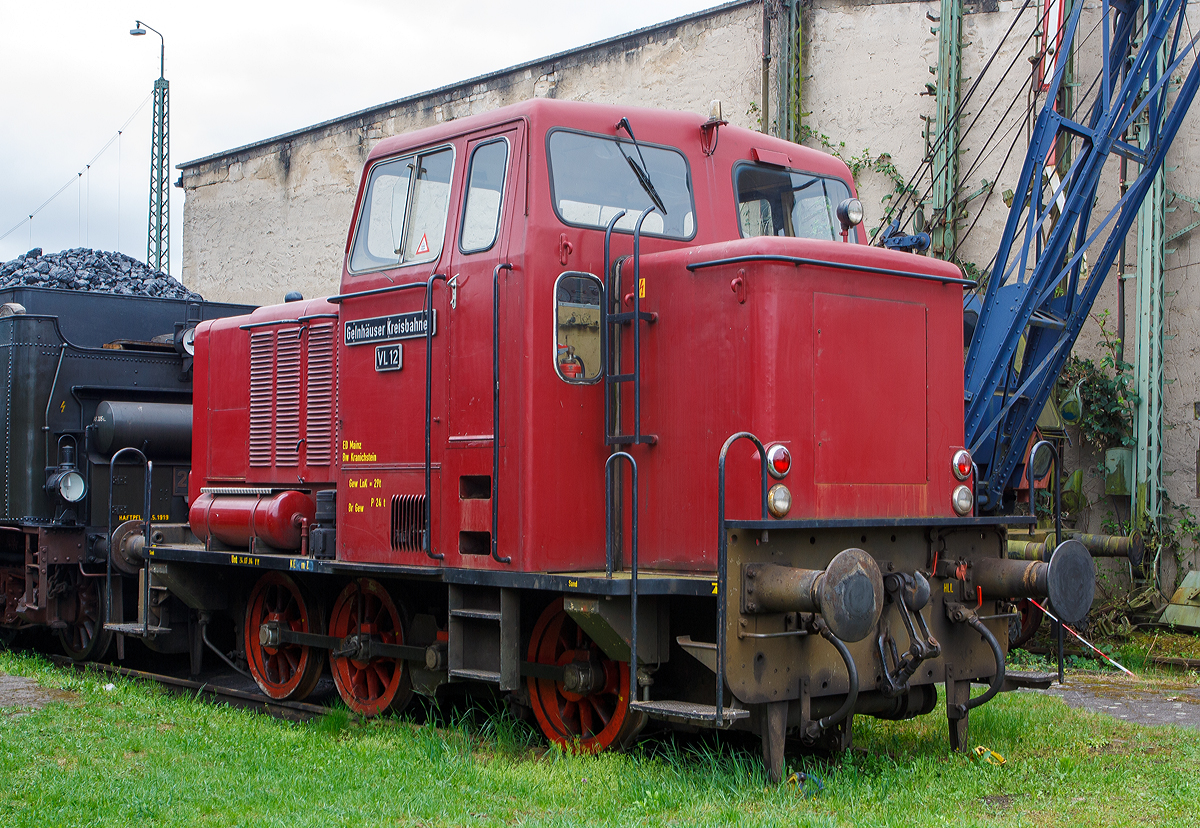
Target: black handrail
<point>605,346</point>
<point>637,325</point>
<point>341,297</point>
<point>636,317</point>
<point>798,260</point>
<point>496,408</point>
<point>1057,519</point>
<point>723,554</point>
<point>427,542</point>
<point>149,466</point>
<point>633,557</point>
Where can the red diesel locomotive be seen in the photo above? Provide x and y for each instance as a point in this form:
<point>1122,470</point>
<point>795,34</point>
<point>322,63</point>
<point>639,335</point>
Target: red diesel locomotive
<point>631,428</point>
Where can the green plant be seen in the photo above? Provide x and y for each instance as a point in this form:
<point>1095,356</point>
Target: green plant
<point>1105,390</point>
<point>863,161</point>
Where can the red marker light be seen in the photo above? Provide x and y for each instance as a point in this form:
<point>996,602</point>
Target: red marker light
<point>962,464</point>
<point>779,461</point>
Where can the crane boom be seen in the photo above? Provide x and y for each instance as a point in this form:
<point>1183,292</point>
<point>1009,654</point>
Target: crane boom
<point>1040,287</point>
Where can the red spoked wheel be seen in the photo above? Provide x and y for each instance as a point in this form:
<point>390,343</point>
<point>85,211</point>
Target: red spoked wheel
<point>365,610</point>
<point>1025,626</point>
<point>590,721</point>
<point>286,671</point>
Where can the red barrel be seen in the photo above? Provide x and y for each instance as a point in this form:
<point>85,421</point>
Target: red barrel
<point>235,519</point>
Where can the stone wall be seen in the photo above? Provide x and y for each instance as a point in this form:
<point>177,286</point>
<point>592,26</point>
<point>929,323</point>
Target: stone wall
<point>273,216</point>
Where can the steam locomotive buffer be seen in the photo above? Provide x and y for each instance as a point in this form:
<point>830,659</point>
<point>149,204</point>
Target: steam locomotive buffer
<point>629,428</point>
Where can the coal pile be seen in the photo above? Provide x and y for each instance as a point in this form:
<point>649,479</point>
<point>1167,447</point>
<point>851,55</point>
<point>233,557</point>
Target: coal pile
<point>95,270</point>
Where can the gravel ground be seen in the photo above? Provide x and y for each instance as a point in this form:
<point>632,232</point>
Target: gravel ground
<point>1144,701</point>
<point>25,694</point>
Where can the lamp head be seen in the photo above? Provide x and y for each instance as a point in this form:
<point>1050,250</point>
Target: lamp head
<point>139,30</point>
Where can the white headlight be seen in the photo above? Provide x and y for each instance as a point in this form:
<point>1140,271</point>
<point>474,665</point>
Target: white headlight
<point>72,487</point>
<point>779,500</point>
<point>963,500</point>
<point>850,213</point>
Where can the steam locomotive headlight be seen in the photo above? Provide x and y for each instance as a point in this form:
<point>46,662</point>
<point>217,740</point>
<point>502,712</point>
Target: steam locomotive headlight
<point>779,461</point>
<point>72,486</point>
<point>962,464</point>
<point>779,500</point>
<point>963,500</point>
<point>67,483</point>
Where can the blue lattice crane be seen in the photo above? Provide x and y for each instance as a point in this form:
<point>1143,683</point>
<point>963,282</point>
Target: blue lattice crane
<point>1041,288</point>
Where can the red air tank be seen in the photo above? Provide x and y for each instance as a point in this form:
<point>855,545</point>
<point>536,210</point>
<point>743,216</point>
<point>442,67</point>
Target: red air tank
<point>233,519</point>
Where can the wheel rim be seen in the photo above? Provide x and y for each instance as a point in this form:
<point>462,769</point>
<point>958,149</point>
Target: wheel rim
<point>289,671</point>
<point>84,636</point>
<point>1023,628</point>
<point>365,608</point>
<point>587,723</point>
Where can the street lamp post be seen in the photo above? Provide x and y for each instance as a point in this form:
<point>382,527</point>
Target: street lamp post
<point>158,254</point>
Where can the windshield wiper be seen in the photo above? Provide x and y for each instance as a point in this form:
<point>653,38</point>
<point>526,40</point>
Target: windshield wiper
<point>643,177</point>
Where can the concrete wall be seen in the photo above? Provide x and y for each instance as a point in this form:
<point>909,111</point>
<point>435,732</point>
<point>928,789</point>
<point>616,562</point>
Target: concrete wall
<point>273,216</point>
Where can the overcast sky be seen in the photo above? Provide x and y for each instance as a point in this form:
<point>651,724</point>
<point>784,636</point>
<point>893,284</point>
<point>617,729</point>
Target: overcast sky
<point>71,76</point>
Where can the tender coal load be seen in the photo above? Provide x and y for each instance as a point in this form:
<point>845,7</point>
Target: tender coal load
<point>94,270</point>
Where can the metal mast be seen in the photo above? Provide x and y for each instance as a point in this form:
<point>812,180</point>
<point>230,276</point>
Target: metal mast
<point>1148,362</point>
<point>158,254</point>
<point>944,130</point>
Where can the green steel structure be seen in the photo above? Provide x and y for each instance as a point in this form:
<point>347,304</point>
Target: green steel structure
<point>943,130</point>
<point>158,253</point>
<point>790,73</point>
<point>1147,492</point>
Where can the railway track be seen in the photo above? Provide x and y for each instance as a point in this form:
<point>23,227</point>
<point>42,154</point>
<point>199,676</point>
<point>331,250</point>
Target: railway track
<point>235,697</point>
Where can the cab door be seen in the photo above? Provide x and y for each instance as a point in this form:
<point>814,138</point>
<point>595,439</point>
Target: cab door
<point>486,214</point>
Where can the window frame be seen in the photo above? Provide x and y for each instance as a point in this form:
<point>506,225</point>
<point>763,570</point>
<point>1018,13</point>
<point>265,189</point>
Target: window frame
<point>370,172</point>
<point>462,222</point>
<point>644,144</point>
<point>738,166</point>
<point>554,329</point>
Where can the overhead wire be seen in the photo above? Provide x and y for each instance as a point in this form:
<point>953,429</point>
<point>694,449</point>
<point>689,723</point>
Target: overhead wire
<point>945,131</point>
<point>87,168</point>
<point>1085,101</point>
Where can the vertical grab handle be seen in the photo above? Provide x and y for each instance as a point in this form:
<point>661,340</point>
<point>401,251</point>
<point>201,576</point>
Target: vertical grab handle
<point>723,552</point>
<point>496,409</point>
<point>427,542</point>
<point>149,466</point>
<point>633,556</point>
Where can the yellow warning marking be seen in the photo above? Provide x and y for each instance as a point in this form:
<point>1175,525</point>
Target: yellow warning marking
<point>642,288</point>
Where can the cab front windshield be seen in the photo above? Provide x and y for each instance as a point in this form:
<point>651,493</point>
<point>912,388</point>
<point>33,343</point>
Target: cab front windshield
<point>777,202</point>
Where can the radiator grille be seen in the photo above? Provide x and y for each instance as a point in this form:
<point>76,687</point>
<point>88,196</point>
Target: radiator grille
<point>408,522</point>
<point>318,427</point>
<point>262,386</point>
<point>287,398</point>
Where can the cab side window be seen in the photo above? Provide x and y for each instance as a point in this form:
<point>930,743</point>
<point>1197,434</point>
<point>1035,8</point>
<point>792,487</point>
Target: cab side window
<point>403,216</point>
<point>485,190</point>
<point>577,345</point>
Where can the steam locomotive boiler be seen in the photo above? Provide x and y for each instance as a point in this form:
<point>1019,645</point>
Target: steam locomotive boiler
<point>84,375</point>
<point>628,428</point>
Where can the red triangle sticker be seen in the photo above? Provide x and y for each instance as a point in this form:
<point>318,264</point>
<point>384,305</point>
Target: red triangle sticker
<point>423,247</point>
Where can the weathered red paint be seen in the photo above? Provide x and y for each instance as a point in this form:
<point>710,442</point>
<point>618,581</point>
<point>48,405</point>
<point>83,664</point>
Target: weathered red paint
<point>858,373</point>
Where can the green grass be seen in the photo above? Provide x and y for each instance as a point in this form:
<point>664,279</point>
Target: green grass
<point>136,755</point>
